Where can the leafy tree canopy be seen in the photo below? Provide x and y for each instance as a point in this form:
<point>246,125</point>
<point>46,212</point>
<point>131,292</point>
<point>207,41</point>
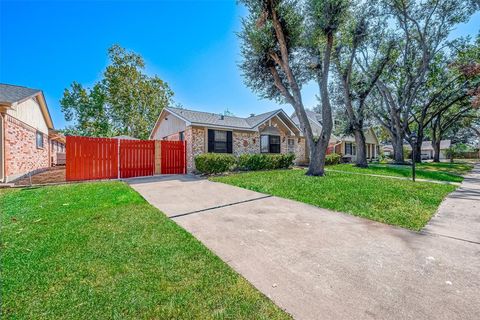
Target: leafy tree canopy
<point>126,101</point>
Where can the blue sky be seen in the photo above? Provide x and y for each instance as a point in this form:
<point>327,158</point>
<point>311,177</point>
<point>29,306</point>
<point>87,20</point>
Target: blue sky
<point>190,44</point>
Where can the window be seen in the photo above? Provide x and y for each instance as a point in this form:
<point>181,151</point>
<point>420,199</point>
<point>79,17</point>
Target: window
<point>39,139</point>
<point>181,136</point>
<point>269,144</point>
<point>264,148</point>
<point>291,145</point>
<point>219,141</point>
<point>348,148</point>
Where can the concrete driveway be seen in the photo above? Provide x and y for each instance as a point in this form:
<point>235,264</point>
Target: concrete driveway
<point>319,264</point>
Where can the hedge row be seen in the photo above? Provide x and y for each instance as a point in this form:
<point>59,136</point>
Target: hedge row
<point>219,162</point>
<point>332,158</point>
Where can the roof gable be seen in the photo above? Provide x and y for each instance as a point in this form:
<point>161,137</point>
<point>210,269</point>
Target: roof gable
<point>12,95</point>
<point>251,123</point>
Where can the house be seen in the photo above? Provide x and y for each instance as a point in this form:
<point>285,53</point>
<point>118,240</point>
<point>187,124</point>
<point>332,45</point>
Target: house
<point>124,137</point>
<point>28,140</point>
<point>270,132</point>
<point>427,149</point>
<point>343,145</point>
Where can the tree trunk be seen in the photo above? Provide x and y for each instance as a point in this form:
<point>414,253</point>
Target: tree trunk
<point>418,151</point>
<point>397,144</point>
<point>318,149</point>
<point>361,149</point>
<point>436,138</point>
<point>317,159</point>
<point>436,150</point>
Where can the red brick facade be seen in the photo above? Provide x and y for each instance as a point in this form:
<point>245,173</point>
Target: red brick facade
<point>21,152</point>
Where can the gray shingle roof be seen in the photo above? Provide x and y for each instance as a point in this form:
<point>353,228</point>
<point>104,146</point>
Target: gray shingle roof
<point>11,94</point>
<point>200,117</point>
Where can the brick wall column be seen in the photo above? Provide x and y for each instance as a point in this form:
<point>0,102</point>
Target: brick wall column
<point>158,157</point>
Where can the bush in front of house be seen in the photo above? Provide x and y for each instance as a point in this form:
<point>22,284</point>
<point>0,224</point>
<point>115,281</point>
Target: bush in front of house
<point>257,161</point>
<point>332,158</point>
<point>210,163</point>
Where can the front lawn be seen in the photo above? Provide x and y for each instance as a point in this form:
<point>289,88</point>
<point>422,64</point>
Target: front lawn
<point>397,202</point>
<point>99,251</point>
<point>459,168</point>
<point>430,171</point>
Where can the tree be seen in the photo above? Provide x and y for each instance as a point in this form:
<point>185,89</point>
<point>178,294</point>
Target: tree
<point>87,109</point>
<point>424,27</point>
<point>125,102</point>
<point>363,52</point>
<point>445,95</point>
<point>451,120</point>
<point>281,51</point>
<point>465,112</point>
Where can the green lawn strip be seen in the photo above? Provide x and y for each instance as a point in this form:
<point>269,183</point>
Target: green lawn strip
<point>424,171</point>
<point>99,251</point>
<point>453,168</point>
<point>397,202</point>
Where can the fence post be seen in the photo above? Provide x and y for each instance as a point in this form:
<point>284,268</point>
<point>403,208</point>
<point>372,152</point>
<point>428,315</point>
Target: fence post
<point>185,157</point>
<point>118,158</point>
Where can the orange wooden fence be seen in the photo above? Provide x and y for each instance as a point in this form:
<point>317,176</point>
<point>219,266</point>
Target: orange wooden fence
<point>105,158</point>
<point>137,158</point>
<point>173,157</point>
<point>91,158</point>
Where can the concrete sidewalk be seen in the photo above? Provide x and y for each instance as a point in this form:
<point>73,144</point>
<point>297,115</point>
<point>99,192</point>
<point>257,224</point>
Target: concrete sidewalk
<point>459,215</point>
<point>319,264</point>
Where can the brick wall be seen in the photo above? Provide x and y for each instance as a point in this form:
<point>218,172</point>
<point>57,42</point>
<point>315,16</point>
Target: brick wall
<point>195,138</point>
<point>173,137</point>
<point>245,142</point>
<point>242,142</point>
<point>21,153</point>
<point>301,151</point>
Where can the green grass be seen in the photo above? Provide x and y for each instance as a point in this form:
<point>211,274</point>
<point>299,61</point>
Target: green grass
<point>459,168</point>
<point>397,202</point>
<point>99,251</point>
<point>430,171</point>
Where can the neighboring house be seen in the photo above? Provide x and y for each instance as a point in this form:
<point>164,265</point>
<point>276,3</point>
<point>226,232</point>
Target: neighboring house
<point>427,149</point>
<point>57,148</point>
<point>344,145</point>
<point>271,132</point>
<point>123,137</point>
<point>28,141</point>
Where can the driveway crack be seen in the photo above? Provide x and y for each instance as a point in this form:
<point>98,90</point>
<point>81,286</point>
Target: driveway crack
<point>218,207</point>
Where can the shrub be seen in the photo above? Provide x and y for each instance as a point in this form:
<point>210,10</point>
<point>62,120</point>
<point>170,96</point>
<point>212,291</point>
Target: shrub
<point>332,158</point>
<point>265,161</point>
<point>214,162</point>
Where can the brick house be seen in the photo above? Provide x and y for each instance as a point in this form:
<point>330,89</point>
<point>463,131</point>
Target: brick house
<point>28,141</point>
<point>343,145</point>
<point>270,132</point>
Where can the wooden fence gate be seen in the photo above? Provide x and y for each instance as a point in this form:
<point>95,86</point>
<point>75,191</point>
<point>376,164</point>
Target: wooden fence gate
<point>91,158</point>
<point>106,158</point>
<point>137,158</point>
<point>173,157</point>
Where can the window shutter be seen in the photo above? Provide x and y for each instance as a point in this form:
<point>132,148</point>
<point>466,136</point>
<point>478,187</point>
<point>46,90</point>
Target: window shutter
<point>211,140</point>
<point>229,141</point>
